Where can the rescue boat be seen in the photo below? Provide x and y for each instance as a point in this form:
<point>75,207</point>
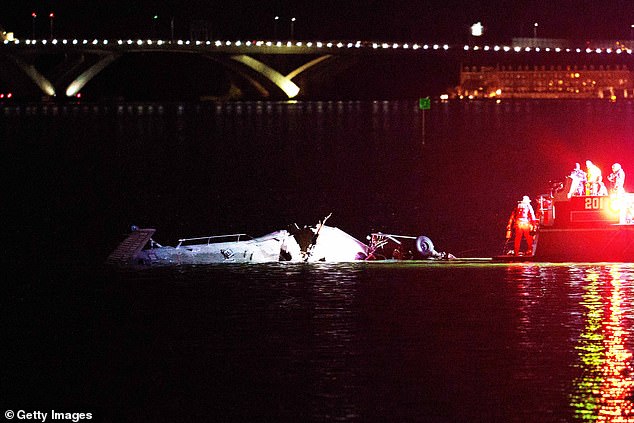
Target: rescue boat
<point>580,228</point>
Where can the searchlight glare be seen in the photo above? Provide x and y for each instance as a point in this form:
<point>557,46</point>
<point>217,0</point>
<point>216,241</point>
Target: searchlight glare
<point>283,82</point>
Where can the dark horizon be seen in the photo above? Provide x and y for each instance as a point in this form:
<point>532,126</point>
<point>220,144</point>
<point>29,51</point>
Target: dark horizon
<point>447,21</point>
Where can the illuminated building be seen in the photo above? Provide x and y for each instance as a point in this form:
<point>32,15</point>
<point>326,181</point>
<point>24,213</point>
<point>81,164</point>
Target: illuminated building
<point>546,81</point>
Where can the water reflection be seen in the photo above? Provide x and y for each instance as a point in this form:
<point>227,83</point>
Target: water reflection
<point>604,390</point>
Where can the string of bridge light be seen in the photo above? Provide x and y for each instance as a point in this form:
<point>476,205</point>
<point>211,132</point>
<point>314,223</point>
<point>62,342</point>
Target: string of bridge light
<point>318,44</point>
<point>518,49</point>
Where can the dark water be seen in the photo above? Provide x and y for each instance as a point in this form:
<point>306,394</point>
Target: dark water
<point>416,342</point>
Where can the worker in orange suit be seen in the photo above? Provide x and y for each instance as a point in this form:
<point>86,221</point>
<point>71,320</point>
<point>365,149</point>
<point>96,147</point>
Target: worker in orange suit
<point>522,220</point>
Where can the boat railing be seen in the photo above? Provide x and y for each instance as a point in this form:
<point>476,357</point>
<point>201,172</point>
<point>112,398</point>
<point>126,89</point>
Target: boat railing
<point>626,208</point>
<point>212,239</point>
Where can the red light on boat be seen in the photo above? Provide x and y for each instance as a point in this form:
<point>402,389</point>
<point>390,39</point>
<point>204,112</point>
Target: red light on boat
<point>9,95</point>
<point>615,205</point>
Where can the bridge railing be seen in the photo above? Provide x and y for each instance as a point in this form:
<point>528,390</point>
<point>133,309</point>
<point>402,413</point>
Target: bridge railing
<point>298,47</point>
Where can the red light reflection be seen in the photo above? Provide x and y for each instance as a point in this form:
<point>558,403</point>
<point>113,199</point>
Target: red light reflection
<point>604,391</point>
<point>615,403</point>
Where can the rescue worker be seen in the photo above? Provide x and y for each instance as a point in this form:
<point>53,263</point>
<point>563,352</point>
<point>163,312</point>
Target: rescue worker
<point>603,190</point>
<point>522,220</point>
<point>594,177</point>
<point>617,179</point>
<point>578,184</point>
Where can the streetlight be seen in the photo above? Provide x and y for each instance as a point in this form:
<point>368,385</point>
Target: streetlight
<point>631,32</point>
<point>33,16</point>
<point>154,24</point>
<point>275,19</point>
<point>535,25</point>
<point>477,29</point>
<point>292,28</point>
<point>51,16</point>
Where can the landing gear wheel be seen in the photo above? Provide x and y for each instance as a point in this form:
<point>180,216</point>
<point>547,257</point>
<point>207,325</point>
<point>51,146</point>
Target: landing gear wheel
<point>425,247</point>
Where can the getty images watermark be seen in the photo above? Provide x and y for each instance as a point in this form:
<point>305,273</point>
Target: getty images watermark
<point>43,416</point>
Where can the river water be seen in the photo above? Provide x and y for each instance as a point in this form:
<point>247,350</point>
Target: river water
<point>410,342</point>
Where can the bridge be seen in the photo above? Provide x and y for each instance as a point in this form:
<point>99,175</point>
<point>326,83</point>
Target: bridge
<point>62,68</point>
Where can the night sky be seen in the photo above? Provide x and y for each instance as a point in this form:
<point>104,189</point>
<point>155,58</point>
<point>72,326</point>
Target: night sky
<point>396,20</point>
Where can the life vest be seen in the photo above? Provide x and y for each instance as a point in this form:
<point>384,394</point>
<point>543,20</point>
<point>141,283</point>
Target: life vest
<point>523,213</point>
